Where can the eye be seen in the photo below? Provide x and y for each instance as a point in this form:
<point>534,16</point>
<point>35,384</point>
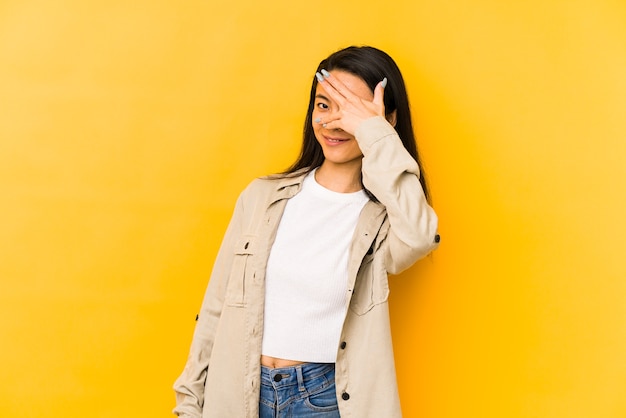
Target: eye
<point>322,105</point>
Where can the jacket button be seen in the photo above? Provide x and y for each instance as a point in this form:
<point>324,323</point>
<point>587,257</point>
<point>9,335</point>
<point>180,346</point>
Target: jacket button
<point>278,378</point>
<point>342,345</point>
<point>437,238</point>
<point>345,396</point>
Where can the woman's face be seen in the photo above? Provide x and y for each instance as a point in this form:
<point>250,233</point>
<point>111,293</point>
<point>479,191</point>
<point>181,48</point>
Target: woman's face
<point>339,146</point>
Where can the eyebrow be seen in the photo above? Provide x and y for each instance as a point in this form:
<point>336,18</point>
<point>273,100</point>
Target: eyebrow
<point>321,96</point>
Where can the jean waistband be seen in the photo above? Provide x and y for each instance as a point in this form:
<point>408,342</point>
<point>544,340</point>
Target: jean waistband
<point>294,375</point>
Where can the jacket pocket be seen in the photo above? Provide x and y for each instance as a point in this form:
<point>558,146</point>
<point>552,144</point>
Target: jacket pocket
<point>241,271</point>
<point>371,287</point>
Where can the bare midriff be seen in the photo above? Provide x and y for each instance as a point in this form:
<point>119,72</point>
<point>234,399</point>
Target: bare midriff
<point>277,363</point>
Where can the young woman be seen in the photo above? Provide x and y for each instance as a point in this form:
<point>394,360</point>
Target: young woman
<point>295,319</point>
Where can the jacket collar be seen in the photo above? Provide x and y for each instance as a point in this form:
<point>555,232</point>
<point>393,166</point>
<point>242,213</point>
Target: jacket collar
<point>286,187</point>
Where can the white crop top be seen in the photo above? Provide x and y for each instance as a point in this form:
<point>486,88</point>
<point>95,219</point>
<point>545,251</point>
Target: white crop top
<point>307,274</point>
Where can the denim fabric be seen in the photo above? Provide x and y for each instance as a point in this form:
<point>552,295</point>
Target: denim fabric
<point>302,391</point>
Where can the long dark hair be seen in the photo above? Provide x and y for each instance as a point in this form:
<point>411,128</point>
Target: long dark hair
<point>371,65</point>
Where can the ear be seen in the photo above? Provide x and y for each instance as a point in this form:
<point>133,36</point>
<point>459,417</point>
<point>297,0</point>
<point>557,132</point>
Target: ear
<point>391,118</point>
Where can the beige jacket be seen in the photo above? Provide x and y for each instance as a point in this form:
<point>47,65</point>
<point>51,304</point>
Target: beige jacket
<point>222,376</point>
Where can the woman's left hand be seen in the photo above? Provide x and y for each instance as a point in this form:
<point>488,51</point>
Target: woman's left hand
<point>352,109</point>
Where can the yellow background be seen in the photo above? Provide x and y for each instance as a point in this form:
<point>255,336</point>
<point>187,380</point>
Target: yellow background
<point>128,128</point>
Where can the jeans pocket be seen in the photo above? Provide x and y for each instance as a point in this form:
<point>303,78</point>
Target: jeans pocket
<point>322,399</point>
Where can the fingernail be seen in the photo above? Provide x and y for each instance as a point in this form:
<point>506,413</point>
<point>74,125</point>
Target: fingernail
<point>325,73</point>
<point>320,78</point>
<point>317,120</point>
<point>384,82</point>
<point>324,125</point>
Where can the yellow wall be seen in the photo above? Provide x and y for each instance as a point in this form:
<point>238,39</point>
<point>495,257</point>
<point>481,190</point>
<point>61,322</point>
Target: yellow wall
<point>127,129</point>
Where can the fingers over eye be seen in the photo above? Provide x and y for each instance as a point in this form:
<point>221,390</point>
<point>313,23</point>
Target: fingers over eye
<point>334,87</point>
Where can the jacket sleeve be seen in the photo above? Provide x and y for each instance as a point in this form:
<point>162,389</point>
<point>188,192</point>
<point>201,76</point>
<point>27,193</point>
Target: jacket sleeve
<point>392,175</point>
<point>190,386</point>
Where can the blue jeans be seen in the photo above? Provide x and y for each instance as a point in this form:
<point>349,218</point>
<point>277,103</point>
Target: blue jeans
<point>303,391</point>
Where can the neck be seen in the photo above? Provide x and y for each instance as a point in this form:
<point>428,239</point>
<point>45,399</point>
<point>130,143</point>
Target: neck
<point>341,178</point>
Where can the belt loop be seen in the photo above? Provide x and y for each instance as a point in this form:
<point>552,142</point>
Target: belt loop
<point>301,387</point>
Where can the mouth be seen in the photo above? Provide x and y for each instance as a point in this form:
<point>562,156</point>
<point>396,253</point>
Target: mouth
<point>336,140</point>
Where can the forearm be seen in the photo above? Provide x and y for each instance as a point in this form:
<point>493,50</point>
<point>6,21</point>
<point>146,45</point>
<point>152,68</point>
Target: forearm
<point>392,176</point>
<point>190,386</point>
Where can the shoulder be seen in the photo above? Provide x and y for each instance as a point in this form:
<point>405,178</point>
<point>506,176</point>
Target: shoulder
<point>272,187</point>
<point>259,187</point>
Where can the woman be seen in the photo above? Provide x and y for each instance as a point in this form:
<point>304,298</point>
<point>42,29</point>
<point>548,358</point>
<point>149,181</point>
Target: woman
<point>295,319</point>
